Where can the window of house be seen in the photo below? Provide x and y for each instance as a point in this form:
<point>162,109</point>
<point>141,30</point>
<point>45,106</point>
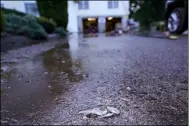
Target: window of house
<point>31,8</point>
<point>112,4</point>
<point>83,4</point>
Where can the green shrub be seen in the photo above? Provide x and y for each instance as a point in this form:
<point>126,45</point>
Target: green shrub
<point>27,31</point>
<point>32,22</point>
<point>12,11</point>
<point>8,28</point>
<point>2,21</point>
<point>26,25</point>
<point>48,25</point>
<point>60,31</point>
<point>11,28</point>
<point>40,34</point>
<point>14,23</point>
<point>34,34</point>
<point>34,29</point>
<point>31,18</point>
<point>15,20</point>
<point>160,25</point>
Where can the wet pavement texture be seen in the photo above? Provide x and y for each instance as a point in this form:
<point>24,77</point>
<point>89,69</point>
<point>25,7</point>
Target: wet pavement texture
<point>145,78</point>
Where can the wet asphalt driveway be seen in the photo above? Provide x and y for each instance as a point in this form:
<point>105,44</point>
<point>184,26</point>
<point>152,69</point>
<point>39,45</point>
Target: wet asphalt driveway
<point>145,78</point>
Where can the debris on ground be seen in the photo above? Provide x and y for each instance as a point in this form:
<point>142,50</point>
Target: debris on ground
<point>28,81</point>
<point>100,112</point>
<point>167,33</point>
<point>2,81</point>
<point>4,68</point>
<point>128,88</point>
<point>173,37</point>
<point>61,73</point>
<point>150,98</point>
<point>125,99</point>
<point>45,73</point>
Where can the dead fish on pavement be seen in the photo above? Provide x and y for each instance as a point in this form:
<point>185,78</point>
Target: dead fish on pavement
<point>113,110</point>
<point>97,111</point>
<point>101,112</point>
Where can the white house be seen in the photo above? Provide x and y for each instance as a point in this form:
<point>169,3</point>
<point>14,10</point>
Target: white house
<point>99,13</point>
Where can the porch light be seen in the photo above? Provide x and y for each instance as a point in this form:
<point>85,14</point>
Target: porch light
<point>91,19</point>
<point>110,18</point>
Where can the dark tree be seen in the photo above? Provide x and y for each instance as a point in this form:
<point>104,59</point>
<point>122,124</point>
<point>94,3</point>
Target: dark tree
<point>147,11</point>
<point>55,9</point>
<point>133,6</point>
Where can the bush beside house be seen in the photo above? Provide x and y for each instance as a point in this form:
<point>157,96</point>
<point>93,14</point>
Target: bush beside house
<point>158,26</point>
<point>26,25</point>
<point>60,31</point>
<point>19,23</point>
<point>48,25</point>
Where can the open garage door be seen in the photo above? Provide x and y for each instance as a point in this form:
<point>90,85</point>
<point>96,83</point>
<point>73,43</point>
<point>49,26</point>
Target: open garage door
<point>90,25</point>
<point>111,23</point>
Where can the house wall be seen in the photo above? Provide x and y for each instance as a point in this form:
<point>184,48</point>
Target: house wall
<point>100,10</point>
<point>72,17</point>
